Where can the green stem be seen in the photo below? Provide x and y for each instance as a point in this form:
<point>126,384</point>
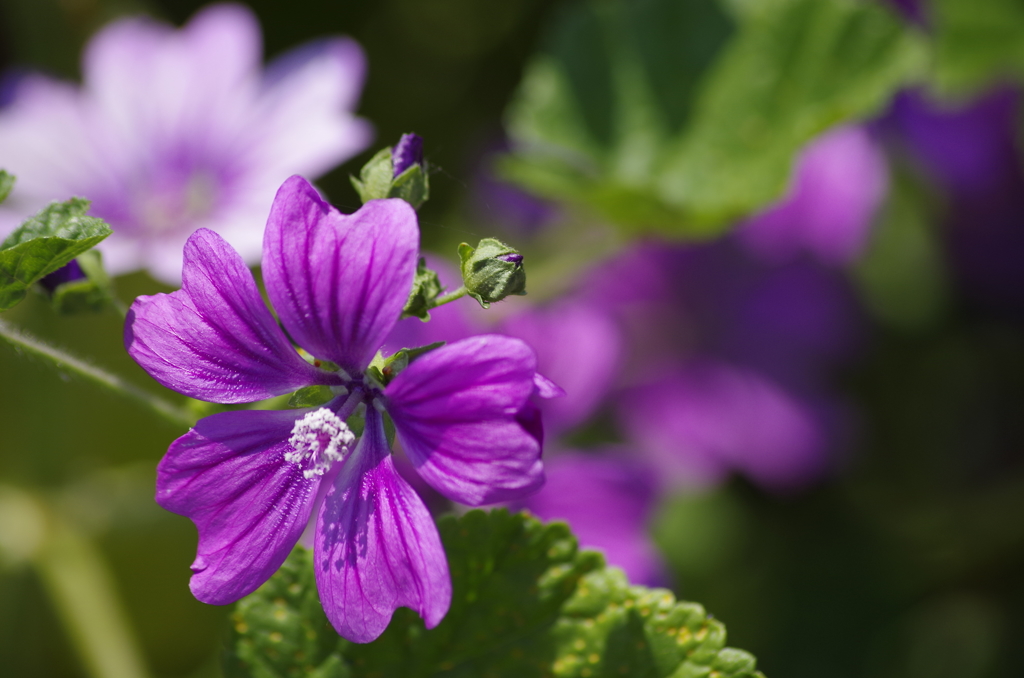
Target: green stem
<point>83,592</point>
<point>451,296</point>
<point>111,382</point>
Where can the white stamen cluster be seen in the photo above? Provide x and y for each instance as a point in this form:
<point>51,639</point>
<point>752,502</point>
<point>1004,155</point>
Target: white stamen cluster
<point>318,440</point>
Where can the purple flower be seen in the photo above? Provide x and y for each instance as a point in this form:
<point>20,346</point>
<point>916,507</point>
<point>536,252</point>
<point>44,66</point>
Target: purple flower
<point>840,180</point>
<point>173,130</point>
<point>729,361</point>
<point>251,480</point>
<point>607,500</point>
<point>710,418</point>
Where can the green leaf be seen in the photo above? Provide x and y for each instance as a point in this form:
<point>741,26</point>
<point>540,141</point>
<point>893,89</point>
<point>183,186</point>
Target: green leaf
<point>788,76</point>
<point>281,631</point>
<point>619,117</point>
<point>526,602</point>
<point>43,244</point>
<point>6,184</point>
<point>978,42</point>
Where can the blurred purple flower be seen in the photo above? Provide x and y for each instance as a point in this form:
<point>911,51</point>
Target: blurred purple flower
<point>721,342</point>
<point>251,480</point>
<point>607,500</point>
<point>972,152</point>
<point>712,418</point>
<point>173,130</point>
<point>839,182</point>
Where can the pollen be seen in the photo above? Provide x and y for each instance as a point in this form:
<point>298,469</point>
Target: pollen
<point>318,440</point>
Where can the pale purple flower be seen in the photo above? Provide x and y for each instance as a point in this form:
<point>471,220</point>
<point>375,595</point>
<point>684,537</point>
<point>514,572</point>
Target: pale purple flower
<point>251,480</point>
<point>174,130</point>
<point>839,182</point>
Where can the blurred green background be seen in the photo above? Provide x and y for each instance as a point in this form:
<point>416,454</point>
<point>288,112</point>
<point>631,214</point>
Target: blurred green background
<point>908,563</point>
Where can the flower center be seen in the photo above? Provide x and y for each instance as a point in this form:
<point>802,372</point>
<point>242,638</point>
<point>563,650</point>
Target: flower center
<point>318,440</point>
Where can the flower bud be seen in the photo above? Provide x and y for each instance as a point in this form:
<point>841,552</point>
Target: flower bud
<point>397,172</point>
<point>82,285</point>
<point>492,271</point>
<point>406,153</point>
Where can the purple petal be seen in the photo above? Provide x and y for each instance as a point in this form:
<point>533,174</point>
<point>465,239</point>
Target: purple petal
<point>457,411</point>
<point>69,272</point>
<point>607,500</point>
<point>229,475</point>
<point>376,546</point>
<point>546,388</point>
<point>215,339</point>
<point>407,152</point>
<point>338,281</point>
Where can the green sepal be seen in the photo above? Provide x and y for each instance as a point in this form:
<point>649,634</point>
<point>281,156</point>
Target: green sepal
<point>400,359</point>
<point>526,602</point>
<point>486,276</point>
<point>91,294</point>
<point>412,186</point>
<point>426,287</point>
<point>43,244</point>
<point>6,184</point>
<point>281,631</point>
<point>374,180</point>
<point>356,421</point>
<point>311,396</point>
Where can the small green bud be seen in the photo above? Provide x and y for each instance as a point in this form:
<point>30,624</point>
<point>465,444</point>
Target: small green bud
<point>492,271</point>
<point>397,172</point>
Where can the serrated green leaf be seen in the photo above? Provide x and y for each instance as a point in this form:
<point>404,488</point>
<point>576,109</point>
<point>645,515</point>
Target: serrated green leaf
<point>682,142</point>
<point>311,396</point>
<point>281,630</point>
<point>526,602</point>
<point>977,43</point>
<point>6,184</point>
<point>43,244</point>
